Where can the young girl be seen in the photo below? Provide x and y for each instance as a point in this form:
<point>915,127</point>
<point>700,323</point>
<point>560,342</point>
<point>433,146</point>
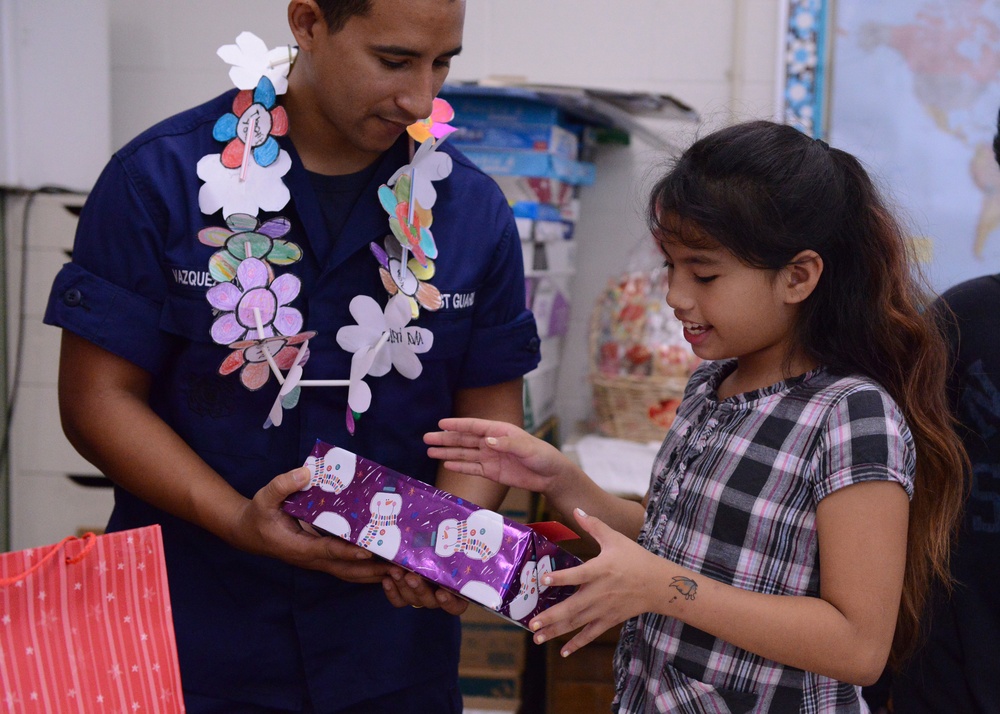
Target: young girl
<point>805,496</point>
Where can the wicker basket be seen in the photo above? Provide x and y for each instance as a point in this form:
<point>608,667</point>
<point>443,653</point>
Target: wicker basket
<point>636,408</point>
<point>639,360</point>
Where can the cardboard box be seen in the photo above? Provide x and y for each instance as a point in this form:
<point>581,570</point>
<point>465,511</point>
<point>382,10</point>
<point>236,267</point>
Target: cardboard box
<point>490,683</point>
<point>490,705</point>
<point>474,552</point>
<point>492,644</point>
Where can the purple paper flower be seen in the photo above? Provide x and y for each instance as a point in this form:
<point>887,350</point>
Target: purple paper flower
<point>255,289</point>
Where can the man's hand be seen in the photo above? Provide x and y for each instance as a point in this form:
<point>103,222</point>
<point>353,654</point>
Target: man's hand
<point>404,588</point>
<point>262,527</point>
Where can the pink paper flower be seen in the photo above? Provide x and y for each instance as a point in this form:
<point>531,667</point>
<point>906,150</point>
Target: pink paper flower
<point>255,289</point>
<point>433,126</point>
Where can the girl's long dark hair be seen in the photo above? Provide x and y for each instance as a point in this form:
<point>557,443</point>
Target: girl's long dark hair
<point>765,192</point>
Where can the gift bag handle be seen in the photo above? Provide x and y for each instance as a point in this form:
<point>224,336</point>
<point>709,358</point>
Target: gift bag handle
<point>89,540</point>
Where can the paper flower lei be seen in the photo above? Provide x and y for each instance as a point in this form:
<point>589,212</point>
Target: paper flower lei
<point>254,315</point>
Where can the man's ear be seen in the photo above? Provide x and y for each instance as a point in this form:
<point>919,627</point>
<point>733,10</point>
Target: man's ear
<point>800,276</point>
<point>306,21</point>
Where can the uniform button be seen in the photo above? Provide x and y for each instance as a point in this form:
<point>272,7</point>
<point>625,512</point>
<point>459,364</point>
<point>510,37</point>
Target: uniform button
<point>72,297</point>
<point>534,344</point>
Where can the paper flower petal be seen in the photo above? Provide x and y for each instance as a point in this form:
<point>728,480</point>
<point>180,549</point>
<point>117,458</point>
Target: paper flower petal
<point>226,329</point>
<point>264,94</point>
<point>214,236</point>
<point>267,153</point>
<point>232,362</point>
<point>288,321</point>
<point>406,363</point>
<point>273,227</point>
<point>284,253</point>
<point>418,339</point>
<point>397,312</point>
<point>224,296</point>
<point>286,288</point>
<point>225,127</point>
<point>367,313</point>
<point>255,375</point>
<point>222,266</point>
<point>253,273</point>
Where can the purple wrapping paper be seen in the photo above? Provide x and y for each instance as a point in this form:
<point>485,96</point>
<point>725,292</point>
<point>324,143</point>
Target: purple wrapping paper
<point>474,552</point>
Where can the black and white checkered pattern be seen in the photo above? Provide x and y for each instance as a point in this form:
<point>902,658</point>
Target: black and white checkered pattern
<point>733,496</point>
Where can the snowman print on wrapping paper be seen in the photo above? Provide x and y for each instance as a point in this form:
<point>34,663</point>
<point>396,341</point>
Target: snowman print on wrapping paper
<point>382,536</point>
<point>527,596</point>
<point>478,537</point>
<point>332,472</point>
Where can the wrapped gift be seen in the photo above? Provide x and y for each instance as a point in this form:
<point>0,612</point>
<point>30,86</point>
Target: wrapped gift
<point>471,551</point>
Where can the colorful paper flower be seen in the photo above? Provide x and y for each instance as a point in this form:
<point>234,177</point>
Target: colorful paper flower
<point>246,237</point>
<point>433,126</point>
<point>248,357</point>
<point>408,279</point>
<point>255,289</point>
<point>252,111</point>
<point>427,166</point>
<point>261,189</point>
<point>412,231</point>
<point>251,60</point>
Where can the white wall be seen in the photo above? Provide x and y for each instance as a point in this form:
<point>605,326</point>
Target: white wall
<point>719,56</point>
<point>54,92</point>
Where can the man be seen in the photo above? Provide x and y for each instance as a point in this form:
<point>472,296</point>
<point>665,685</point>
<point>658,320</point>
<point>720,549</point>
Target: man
<point>957,668</point>
<point>269,617</point>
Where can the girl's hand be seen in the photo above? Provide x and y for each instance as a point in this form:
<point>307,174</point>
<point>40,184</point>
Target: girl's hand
<point>614,586</point>
<point>496,450</point>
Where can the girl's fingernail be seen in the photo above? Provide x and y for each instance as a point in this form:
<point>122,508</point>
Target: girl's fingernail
<point>564,653</point>
<point>535,625</point>
<point>491,440</point>
<point>547,580</point>
<point>581,512</point>
<point>539,639</point>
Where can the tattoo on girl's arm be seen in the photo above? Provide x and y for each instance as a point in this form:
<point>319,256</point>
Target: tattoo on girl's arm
<point>685,586</point>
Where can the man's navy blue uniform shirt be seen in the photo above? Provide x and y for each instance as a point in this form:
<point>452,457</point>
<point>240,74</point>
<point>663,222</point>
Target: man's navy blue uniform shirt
<point>252,628</point>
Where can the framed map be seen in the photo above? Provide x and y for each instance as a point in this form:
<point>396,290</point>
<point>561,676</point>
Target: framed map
<point>914,91</point>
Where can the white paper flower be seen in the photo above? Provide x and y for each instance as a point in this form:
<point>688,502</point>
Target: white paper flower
<point>402,345</point>
<point>262,189</point>
<point>427,166</point>
<point>252,60</point>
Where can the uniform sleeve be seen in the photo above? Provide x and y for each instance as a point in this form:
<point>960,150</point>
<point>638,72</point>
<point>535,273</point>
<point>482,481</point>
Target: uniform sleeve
<point>112,293</point>
<point>505,343</point>
<point>866,439</point>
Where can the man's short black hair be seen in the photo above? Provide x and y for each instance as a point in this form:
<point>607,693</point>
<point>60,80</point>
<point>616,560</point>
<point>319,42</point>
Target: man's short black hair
<point>336,13</point>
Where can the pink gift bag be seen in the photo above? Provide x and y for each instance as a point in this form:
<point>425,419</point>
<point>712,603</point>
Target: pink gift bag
<point>85,626</point>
